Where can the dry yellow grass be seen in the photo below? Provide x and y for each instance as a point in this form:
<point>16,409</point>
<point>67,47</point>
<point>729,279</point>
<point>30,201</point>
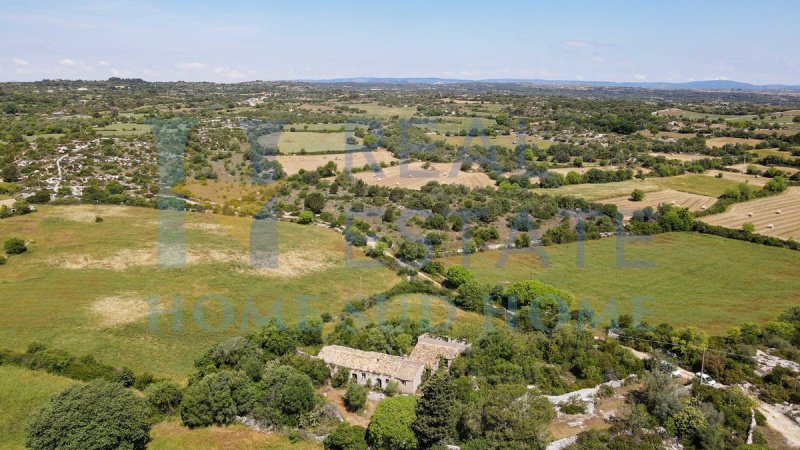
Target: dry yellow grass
<point>738,177</point>
<point>681,156</point>
<point>413,176</point>
<point>722,141</point>
<point>777,216</point>
<point>293,163</point>
<point>683,199</point>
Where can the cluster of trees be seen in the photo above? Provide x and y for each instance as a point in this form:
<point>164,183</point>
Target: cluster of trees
<point>593,176</point>
<point>662,220</point>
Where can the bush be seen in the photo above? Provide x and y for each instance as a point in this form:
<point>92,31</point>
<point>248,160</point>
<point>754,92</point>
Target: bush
<point>164,397</point>
<point>411,251</point>
<point>471,295</point>
<point>97,415</point>
<point>305,217</point>
<point>637,195</point>
<point>346,437</point>
<point>573,407</point>
<point>356,397</point>
<point>2,260</point>
<point>15,246</point>
<point>458,275</point>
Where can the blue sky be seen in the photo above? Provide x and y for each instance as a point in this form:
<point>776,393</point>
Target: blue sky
<point>267,40</point>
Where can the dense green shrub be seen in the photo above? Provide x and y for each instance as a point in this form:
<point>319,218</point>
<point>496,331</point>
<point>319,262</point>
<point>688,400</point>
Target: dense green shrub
<point>164,397</point>
<point>356,397</point>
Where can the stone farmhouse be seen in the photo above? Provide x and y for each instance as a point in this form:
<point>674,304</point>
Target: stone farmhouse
<point>379,368</point>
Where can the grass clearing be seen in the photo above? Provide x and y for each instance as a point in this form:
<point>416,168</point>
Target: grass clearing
<point>683,199</point>
<point>124,129</point>
<point>383,111</point>
<point>219,294</point>
<point>311,142</point>
<point>22,392</point>
<point>171,435</point>
<point>293,163</point>
<point>699,280</point>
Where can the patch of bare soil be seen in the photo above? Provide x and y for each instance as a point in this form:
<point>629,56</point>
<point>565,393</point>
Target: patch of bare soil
<point>120,310</point>
<point>88,213</point>
<point>292,264</point>
<point>335,397</point>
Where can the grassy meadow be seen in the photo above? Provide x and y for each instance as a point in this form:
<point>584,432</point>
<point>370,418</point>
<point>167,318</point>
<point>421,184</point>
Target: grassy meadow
<point>23,391</point>
<point>700,280</point>
<point>85,287</point>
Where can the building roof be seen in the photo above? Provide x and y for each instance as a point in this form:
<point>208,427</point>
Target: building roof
<point>372,362</point>
<point>429,349</point>
<point>428,353</point>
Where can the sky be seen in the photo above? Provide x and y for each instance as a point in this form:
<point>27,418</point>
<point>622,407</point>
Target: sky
<point>234,41</point>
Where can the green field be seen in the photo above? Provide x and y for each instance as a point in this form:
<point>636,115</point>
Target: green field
<point>123,129</point>
<point>22,392</point>
<point>456,124</point>
<point>705,281</point>
<point>84,286</point>
<point>381,111</point>
<point>774,152</point>
<point>170,435</point>
<point>295,142</point>
<point>692,183</point>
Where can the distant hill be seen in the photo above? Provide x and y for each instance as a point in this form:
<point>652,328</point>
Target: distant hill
<point>722,85</point>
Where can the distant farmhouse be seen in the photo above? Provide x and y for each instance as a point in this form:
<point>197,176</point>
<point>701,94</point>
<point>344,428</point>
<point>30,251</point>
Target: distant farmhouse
<point>379,368</point>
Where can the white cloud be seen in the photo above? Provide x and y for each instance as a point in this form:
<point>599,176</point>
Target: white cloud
<point>598,59</point>
<point>68,62</point>
<point>230,73</point>
<point>19,62</point>
<point>102,63</point>
<point>191,66</point>
<point>639,77</point>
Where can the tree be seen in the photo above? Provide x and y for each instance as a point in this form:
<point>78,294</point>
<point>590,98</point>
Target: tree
<point>15,246</point>
<point>346,437</point>
<point>340,378</point>
<point>315,202</point>
<point>10,173</point>
<point>471,295</point>
<point>777,185</point>
<point>356,397</point>
<point>216,399</point>
<point>458,275</point>
<point>522,240</point>
<point>411,251</point>
<point>514,417</point>
<point>98,415</point>
<point>748,227</point>
<point>435,420</point>
<point>637,195</point>
<point>284,394</point>
<point>164,396</point>
<point>390,426</point>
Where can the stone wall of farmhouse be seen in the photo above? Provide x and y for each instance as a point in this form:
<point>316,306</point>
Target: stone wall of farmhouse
<point>361,377</point>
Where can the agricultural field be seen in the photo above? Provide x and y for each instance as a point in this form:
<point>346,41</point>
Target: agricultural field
<point>310,142</point>
<point>414,176</point>
<point>774,152</point>
<point>681,156</point>
<point>21,392</point>
<point>690,183</point>
<point>743,168</point>
<point>293,163</point>
<point>737,177</point>
<point>454,125</point>
<point>84,287</point>
<point>716,142</point>
<point>693,202</point>
<point>692,279</point>
<point>511,140</point>
<point>777,216</point>
<point>382,111</point>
